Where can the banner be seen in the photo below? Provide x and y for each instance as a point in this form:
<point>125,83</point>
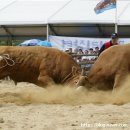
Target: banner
<point>104,5</point>
<point>64,43</point>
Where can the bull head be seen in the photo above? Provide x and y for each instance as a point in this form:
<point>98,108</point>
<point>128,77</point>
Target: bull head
<point>80,79</point>
<point>83,80</point>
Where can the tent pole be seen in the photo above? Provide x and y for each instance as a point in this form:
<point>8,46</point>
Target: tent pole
<point>116,28</point>
<point>47,33</point>
<point>116,20</point>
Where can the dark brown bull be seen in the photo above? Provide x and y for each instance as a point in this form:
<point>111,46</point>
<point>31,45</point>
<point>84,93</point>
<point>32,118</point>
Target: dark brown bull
<point>110,69</point>
<point>39,65</point>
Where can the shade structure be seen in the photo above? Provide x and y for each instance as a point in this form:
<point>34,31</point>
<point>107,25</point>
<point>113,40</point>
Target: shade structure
<point>21,12</point>
<point>82,11</point>
<point>28,11</point>
<point>28,19</point>
<point>123,9</point>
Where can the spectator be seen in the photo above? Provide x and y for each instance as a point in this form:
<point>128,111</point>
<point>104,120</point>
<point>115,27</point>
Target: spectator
<point>70,50</point>
<point>85,66</point>
<point>85,58</point>
<point>112,42</point>
<point>91,51</point>
<point>86,52</point>
<point>91,58</point>
<point>97,50</point>
<point>76,50</point>
<point>80,51</point>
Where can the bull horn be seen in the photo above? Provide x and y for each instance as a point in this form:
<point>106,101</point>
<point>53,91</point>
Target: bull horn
<point>83,72</point>
<point>1,58</point>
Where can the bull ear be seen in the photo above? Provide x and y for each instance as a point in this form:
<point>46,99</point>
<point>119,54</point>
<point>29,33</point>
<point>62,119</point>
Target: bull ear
<point>1,58</point>
<point>83,72</point>
<point>74,70</point>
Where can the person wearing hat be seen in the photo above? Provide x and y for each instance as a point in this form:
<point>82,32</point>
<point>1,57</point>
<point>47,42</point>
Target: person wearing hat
<point>112,42</point>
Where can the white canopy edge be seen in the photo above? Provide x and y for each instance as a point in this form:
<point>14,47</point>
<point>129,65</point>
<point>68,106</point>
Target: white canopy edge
<point>82,11</point>
<point>21,12</point>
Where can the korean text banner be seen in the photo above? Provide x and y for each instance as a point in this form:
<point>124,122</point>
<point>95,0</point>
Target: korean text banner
<point>64,43</point>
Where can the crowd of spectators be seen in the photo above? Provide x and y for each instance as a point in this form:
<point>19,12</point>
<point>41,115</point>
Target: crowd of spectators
<point>88,55</point>
<point>84,56</point>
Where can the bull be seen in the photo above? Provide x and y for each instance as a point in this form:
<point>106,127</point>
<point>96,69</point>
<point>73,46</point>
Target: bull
<point>110,70</point>
<point>38,65</point>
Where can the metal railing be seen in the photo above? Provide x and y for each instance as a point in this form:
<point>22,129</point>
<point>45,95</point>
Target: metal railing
<point>84,62</point>
<point>75,55</point>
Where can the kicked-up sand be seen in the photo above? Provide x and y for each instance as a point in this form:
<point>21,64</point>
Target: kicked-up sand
<point>29,107</point>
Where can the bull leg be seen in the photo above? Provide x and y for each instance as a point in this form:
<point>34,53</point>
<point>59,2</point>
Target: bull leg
<point>119,79</point>
<point>45,81</point>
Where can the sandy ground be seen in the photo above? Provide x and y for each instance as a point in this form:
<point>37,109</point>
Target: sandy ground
<point>28,107</point>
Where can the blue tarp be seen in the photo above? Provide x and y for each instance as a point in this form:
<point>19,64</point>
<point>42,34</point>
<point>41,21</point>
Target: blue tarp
<point>35,42</point>
<point>44,43</point>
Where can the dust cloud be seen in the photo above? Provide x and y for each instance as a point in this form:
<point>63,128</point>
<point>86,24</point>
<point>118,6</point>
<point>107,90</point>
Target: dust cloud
<point>24,94</point>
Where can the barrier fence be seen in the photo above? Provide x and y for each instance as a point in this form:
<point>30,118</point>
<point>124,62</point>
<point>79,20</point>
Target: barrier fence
<point>87,63</point>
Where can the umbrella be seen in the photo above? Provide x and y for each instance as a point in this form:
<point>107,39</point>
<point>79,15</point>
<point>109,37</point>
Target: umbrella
<point>31,42</point>
<point>44,43</point>
<point>35,42</point>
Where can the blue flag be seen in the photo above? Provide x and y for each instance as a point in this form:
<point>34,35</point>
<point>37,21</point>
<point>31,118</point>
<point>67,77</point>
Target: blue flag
<point>105,5</point>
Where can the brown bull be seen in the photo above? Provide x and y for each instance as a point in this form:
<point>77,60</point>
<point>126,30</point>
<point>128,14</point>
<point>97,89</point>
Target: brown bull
<point>39,65</point>
<point>111,68</point>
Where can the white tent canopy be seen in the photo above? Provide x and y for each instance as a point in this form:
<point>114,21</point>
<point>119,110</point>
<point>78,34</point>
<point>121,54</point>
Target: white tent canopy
<point>82,11</point>
<point>123,9</point>
<point>14,12</point>
<point>28,11</point>
<point>30,18</point>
